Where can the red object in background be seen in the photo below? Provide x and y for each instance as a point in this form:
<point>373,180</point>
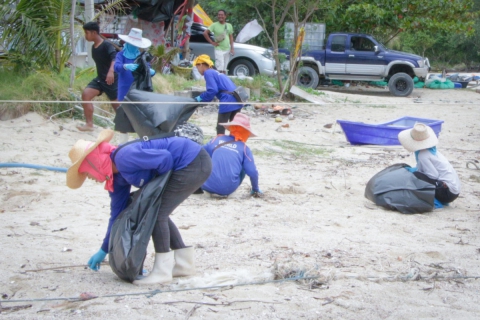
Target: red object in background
<point>110,35</point>
<point>197,19</point>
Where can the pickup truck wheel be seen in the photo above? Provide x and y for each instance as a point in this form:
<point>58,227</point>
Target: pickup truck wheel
<point>241,66</point>
<point>400,84</point>
<point>307,77</point>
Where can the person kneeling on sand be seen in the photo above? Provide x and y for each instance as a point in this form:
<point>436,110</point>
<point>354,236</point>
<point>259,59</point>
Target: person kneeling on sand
<point>432,166</point>
<point>136,164</point>
<point>232,159</point>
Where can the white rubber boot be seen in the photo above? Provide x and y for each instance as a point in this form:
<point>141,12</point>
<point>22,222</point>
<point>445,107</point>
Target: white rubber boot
<point>184,265</point>
<point>122,138</point>
<point>162,269</point>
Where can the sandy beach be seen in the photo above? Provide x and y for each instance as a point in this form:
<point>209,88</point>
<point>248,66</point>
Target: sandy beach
<point>361,261</point>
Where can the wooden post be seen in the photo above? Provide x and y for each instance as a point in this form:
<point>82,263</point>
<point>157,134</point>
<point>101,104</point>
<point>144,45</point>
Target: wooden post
<point>89,14</point>
<point>189,11</point>
<point>72,40</point>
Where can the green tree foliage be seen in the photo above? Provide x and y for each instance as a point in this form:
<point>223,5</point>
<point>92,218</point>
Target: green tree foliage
<point>36,32</point>
<point>387,18</point>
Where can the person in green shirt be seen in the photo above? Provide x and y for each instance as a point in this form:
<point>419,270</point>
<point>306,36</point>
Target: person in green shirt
<point>223,34</point>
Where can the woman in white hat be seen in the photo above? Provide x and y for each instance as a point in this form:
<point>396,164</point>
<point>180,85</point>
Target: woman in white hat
<point>432,166</point>
<point>136,164</point>
<point>232,159</point>
<point>124,62</point>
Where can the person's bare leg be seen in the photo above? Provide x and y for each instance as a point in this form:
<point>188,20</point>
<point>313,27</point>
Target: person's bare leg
<point>87,95</point>
<point>115,104</point>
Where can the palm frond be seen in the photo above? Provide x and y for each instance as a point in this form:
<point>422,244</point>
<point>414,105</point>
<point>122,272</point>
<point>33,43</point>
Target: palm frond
<point>112,7</point>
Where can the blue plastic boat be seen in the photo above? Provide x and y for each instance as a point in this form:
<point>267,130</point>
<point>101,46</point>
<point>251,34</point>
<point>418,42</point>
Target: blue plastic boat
<point>383,133</point>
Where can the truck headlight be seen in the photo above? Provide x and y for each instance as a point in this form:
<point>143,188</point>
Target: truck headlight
<point>421,63</point>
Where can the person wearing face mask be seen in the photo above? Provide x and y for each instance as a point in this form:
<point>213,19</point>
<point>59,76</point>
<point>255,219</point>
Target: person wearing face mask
<point>136,164</point>
<point>232,159</point>
<point>125,60</point>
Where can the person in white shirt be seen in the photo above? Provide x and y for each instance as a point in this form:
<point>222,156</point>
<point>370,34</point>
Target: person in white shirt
<point>432,166</point>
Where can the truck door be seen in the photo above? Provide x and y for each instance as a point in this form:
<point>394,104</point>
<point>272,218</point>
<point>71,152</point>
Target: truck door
<point>362,58</point>
<point>335,55</point>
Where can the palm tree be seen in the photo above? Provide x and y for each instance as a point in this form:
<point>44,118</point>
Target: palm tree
<point>37,31</point>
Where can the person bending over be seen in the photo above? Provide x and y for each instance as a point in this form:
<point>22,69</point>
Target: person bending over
<point>220,86</point>
<point>136,164</point>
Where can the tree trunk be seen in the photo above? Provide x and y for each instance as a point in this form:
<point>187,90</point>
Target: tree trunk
<point>72,41</point>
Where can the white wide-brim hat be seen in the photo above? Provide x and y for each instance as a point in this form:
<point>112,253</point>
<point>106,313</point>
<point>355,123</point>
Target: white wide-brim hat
<point>419,137</point>
<point>135,39</point>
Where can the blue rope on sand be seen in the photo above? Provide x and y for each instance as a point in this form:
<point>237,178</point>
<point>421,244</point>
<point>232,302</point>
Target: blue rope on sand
<point>31,166</point>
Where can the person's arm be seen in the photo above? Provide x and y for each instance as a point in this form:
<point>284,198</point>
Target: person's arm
<point>232,49</point>
<point>118,66</point>
<point>251,169</point>
<point>206,34</point>
<point>212,86</point>
<point>118,202</point>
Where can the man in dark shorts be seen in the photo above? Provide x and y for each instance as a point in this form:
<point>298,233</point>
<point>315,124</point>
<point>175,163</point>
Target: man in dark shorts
<point>103,53</point>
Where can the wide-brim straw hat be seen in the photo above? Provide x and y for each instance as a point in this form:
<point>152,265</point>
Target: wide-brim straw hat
<point>135,39</point>
<point>417,138</point>
<point>241,120</point>
<point>78,153</point>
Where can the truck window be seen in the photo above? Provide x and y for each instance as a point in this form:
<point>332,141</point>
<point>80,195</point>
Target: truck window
<point>361,44</point>
<point>338,43</point>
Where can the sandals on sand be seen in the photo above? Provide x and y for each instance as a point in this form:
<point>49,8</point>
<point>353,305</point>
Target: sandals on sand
<point>85,128</point>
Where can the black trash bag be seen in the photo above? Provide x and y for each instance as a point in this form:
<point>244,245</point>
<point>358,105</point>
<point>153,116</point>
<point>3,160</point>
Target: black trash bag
<point>153,119</point>
<point>133,228</point>
<point>396,188</point>
<point>142,80</point>
<point>159,10</point>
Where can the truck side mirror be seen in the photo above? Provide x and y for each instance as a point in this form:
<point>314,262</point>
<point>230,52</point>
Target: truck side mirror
<point>376,48</point>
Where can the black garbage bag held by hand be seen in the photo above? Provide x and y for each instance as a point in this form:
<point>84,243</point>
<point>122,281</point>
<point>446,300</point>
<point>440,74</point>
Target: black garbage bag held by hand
<point>133,228</point>
<point>142,80</point>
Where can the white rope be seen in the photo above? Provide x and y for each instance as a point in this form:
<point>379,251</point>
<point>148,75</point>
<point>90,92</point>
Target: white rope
<point>250,102</point>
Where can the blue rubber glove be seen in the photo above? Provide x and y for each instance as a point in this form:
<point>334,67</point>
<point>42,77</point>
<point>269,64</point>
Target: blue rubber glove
<point>96,260</point>
<point>198,98</point>
<point>256,194</point>
<point>411,169</point>
<point>152,72</point>
<point>130,66</point>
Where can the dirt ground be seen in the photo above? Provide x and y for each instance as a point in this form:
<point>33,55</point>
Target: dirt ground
<point>361,261</point>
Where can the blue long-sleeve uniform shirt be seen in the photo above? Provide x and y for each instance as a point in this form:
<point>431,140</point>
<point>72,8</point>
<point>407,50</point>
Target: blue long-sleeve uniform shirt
<point>139,162</point>
<point>217,82</point>
<point>228,161</point>
<point>125,77</point>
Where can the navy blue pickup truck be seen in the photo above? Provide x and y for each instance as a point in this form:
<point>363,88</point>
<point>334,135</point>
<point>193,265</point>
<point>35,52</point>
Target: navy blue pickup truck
<point>359,57</point>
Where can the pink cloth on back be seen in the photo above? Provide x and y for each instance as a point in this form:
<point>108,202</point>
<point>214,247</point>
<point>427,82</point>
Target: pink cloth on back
<point>99,164</point>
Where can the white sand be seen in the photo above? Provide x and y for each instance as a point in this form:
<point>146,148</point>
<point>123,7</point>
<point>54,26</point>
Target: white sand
<point>314,217</point>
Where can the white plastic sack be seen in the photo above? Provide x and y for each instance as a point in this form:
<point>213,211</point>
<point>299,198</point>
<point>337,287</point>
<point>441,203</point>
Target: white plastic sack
<point>249,31</point>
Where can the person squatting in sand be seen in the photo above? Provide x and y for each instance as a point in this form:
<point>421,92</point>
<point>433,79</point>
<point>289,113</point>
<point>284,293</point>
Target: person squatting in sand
<point>220,86</point>
<point>135,164</point>
<point>432,166</point>
<point>232,159</point>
